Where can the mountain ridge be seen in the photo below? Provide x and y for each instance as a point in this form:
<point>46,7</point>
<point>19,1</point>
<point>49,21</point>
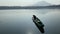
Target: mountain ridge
<point>42,3</point>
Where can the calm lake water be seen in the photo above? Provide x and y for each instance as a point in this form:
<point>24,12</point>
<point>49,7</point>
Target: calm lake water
<point>20,21</point>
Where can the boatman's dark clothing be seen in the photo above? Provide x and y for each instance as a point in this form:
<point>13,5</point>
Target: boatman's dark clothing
<point>37,21</point>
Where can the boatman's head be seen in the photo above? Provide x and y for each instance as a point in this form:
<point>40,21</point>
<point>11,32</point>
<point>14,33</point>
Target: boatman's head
<point>34,16</point>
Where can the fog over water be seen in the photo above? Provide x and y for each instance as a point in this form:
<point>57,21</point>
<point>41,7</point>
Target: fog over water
<point>20,21</point>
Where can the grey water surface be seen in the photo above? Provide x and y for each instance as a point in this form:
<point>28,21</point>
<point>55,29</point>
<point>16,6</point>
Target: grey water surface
<point>20,21</point>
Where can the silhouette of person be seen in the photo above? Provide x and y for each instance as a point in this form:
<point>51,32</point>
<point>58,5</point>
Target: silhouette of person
<point>36,20</point>
<point>38,23</point>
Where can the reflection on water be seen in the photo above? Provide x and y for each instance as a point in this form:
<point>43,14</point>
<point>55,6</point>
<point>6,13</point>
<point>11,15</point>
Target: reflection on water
<point>20,21</point>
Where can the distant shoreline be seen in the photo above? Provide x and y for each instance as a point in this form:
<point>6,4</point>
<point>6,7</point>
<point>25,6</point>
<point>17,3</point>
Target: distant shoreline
<point>30,7</point>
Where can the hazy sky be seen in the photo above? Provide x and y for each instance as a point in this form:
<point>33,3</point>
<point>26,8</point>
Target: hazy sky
<point>25,2</point>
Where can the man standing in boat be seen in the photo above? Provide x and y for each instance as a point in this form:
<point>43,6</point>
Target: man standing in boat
<point>38,23</point>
